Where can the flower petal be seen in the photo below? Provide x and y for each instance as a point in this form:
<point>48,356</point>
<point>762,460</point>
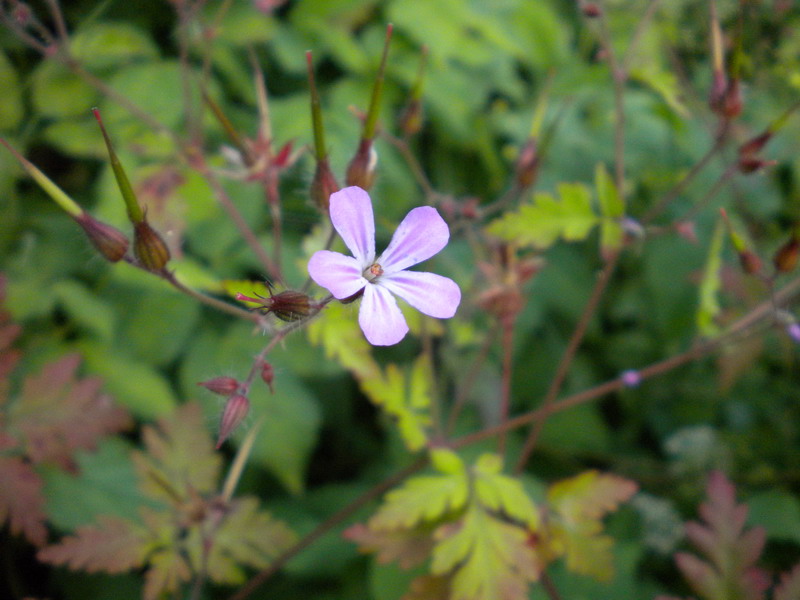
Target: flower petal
<point>432,294</point>
<point>380,318</point>
<point>351,215</point>
<point>339,274</point>
<point>421,235</point>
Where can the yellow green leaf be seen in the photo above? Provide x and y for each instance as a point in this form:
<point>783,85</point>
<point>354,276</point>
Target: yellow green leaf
<point>546,219</point>
<point>488,558</point>
<point>709,308</point>
<point>500,493</point>
<point>422,498</point>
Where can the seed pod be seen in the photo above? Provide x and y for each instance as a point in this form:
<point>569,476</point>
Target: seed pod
<point>236,409</point>
<point>224,386</point>
<point>149,247</point>
<point>109,241</point>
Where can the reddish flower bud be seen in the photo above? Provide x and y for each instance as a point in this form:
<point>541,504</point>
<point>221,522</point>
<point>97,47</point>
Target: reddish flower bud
<point>527,167</point>
<point>719,86</point>
<point>411,118</point>
<point>751,164</point>
<point>109,241</point>
<point>149,247</point>
<point>785,258</point>
<point>323,185</point>
<point>750,262</point>
<point>732,101</point>
<point>755,145</point>
<point>236,409</point>
<point>268,375</point>
<point>591,10</point>
<point>224,386</point>
<point>361,170</point>
<point>288,305</point>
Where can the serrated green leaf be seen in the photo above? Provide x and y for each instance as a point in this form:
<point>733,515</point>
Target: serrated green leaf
<point>500,493</point>
<point>338,332</point>
<point>708,308</point>
<point>422,498</point>
<point>488,558</point>
<point>446,461</point>
<point>547,219</point>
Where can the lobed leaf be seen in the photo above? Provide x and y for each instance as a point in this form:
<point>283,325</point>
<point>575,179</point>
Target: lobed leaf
<point>575,529</point>
<point>58,413</point>
<point>422,498</point>
<point>547,219</point>
<point>180,457</point>
<point>789,586</point>
<point>500,493</point>
<point>488,558</point>
<point>112,545</point>
<point>408,547</point>
<point>21,499</point>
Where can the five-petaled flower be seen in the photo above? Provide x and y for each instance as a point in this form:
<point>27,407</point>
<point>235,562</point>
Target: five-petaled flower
<point>422,234</point>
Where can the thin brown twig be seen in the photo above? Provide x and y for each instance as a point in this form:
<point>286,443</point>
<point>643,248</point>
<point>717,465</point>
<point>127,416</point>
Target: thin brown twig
<point>569,354</point>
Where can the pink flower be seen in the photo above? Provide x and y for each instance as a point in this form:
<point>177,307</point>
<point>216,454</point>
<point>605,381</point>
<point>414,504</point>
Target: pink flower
<point>422,234</point>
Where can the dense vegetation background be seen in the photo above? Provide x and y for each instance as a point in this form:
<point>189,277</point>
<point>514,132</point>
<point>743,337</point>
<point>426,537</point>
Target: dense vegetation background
<point>322,443</point>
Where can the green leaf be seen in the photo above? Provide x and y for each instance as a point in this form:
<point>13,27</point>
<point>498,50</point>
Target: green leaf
<point>134,384</point>
<point>547,219</point>
<point>708,308</point>
<point>10,95</point>
<point>246,536</point>
<point>578,505</point>
<point>611,203</point>
<point>777,512</point>
<point>422,498</point>
<point>85,308</point>
<point>179,460</point>
<point>58,93</point>
<point>502,494</point>
<point>104,484</point>
<point>488,558</point>
<point>104,45</point>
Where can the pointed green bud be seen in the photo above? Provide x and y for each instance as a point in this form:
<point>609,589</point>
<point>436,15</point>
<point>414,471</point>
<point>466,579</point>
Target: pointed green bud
<point>135,212</point>
<point>361,170</point>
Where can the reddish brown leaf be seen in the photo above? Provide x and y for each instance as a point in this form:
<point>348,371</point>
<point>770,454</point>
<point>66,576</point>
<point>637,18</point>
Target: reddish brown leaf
<point>21,501</point>
<point>429,587</point>
<point>789,587</point>
<point>112,545</point>
<point>408,547</point>
<point>58,413</point>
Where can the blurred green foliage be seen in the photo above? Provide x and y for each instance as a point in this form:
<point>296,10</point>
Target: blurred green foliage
<point>489,61</point>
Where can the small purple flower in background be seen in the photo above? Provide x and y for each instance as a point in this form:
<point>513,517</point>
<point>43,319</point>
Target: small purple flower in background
<point>631,378</point>
<point>794,332</point>
<point>422,234</point>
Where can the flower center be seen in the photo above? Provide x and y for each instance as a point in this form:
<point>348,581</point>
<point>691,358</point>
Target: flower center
<point>373,271</point>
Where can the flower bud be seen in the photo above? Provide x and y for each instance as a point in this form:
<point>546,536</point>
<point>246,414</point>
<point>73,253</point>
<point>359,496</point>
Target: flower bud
<point>755,145</point>
<point>631,378</point>
<point>411,118</point>
<point>751,164</point>
<point>750,262</point>
<point>109,241</point>
<point>716,96</point>
<point>268,375</point>
<point>732,101</point>
<point>785,258</point>
<point>527,167</point>
<point>794,332</point>
<point>323,185</point>
<point>149,247</point>
<point>236,409</point>
<point>591,10</point>
<point>288,305</point>
<point>224,386</point>
<point>361,170</point>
